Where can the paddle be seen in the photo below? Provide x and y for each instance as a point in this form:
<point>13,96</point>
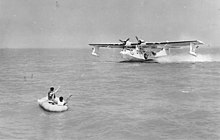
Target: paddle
<point>67,99</point>
<point>57,89</point>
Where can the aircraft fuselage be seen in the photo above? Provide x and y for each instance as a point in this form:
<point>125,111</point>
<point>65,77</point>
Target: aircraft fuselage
<point>137,54</point>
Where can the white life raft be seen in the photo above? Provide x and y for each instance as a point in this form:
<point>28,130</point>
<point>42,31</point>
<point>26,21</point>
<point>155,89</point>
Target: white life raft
<point>50,106</point>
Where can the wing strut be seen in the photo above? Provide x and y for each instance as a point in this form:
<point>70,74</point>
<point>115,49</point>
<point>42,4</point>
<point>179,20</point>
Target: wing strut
<point>164,52</point>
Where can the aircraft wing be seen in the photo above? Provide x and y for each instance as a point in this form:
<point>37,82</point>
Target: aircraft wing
<point>171,44</point>
<point>110,45</point>
<point>95,49</point>
<point>165,46</point>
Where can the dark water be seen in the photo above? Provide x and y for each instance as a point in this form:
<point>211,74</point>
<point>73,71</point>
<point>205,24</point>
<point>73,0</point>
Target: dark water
<point>178,98</point>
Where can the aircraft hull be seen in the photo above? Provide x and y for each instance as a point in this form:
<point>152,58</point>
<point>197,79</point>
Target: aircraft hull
<point>132,55</point>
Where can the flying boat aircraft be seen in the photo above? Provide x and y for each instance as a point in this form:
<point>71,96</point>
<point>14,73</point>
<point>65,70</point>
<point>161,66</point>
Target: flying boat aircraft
<point>145,51</point>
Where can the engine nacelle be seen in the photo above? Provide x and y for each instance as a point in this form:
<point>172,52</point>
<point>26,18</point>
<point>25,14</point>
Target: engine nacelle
<point>128,44</point>
<point>142,44</point>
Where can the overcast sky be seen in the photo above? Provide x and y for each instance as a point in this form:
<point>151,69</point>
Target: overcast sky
<point>76,23</point>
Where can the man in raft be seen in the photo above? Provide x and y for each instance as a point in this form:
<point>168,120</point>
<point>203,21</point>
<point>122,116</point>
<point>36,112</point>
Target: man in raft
<point>51,94</point>
<point>61,101</point>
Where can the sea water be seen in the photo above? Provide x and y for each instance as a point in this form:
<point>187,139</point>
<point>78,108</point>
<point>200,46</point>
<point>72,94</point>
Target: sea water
<point>177,98</point>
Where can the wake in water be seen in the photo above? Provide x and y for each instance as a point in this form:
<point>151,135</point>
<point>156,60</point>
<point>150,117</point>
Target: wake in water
<point>181,58</point>
<point>188,58</point>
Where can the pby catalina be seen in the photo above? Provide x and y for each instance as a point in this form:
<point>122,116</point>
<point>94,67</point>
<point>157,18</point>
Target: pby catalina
<point>142,51</point>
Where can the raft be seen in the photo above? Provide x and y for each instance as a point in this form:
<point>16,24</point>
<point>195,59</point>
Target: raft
<point>50,106</point>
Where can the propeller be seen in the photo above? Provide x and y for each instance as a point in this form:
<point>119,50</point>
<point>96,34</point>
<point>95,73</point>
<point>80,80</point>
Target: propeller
<point>124,41</point>
<point>139,40</point>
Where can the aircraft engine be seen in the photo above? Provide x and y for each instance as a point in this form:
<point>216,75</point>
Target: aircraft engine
<point>126,42</point>
<point>140,41</point>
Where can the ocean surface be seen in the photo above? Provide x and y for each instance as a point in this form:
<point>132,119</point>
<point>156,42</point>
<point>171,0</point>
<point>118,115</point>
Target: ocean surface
<point>175,99</point>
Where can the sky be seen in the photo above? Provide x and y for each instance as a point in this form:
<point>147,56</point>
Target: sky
<point>76,23</point>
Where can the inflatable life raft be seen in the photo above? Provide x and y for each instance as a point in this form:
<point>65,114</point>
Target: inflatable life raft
<point>50,106</point>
